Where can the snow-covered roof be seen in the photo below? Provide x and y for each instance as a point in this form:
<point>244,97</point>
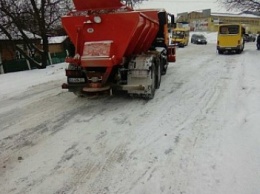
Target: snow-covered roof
<point>57,39</point>
<point>227,14</point>
<point>235,15</point>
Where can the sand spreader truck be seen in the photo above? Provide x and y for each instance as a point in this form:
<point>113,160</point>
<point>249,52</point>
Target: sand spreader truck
<point>117,48</point>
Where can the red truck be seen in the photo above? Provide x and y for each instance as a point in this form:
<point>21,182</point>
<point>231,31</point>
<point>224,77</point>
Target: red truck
<point>117,48</point>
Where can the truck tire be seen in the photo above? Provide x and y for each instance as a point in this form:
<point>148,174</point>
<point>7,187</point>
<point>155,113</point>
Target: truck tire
<point>238,51</point>
<point>220,52</point>
<point>158,75</point>
<point>165,66</point>
<point>150,95</point>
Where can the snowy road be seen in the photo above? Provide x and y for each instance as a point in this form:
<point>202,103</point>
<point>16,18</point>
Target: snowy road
<point>199,135</point>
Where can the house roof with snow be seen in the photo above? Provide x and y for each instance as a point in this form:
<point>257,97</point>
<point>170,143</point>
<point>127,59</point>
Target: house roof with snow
<point>215,14</point>
<point>57,39</point>
<point>235,15</point>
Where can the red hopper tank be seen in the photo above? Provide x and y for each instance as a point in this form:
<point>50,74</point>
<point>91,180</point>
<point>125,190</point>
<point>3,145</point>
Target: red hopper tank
<point>125,32</point>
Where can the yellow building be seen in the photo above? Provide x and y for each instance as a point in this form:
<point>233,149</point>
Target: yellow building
<point>207,21</point>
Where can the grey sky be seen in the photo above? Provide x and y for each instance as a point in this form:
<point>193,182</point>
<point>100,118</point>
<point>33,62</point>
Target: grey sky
<point>179,6</point>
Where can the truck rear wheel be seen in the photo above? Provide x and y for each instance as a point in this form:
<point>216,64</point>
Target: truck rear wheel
<point>165,66</point>
<point>158,76</point>
<point>220,52</point>
<point>238,51</point>
<point>153,84</point>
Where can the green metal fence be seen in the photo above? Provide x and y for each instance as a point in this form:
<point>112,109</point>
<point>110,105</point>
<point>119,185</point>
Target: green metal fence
<point>58,57</point>
<point>15,65</point>
<point>21,64</point>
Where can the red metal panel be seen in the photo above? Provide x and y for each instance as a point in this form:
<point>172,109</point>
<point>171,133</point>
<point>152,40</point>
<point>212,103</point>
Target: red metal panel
<point>72,25</point>
<point>96,4</point>
<point>150,36</point>
<point>136,37</point>
<point>139,41</point>
<point>152,15</point>
<point>131,32</point>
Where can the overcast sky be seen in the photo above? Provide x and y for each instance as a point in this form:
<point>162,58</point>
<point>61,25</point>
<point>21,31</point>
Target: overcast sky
<point>179,6</point>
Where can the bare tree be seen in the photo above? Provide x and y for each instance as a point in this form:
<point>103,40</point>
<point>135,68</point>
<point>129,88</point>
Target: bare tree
<point>37,16</point>
<point>40,17</point>
<point>241,5</point>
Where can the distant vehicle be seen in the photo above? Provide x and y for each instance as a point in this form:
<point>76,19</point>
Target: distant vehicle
<point>249,38</point>
<point>246,37</point>
<point>198,39</point>
<point>253,37</point>
<point>180,37</point>
<point>231,38</point>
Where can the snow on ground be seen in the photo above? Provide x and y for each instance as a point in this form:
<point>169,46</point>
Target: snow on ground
<point>199,135</point>
<point>13,83</point>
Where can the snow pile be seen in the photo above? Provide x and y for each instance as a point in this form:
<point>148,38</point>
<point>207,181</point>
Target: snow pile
<point>10,86</point>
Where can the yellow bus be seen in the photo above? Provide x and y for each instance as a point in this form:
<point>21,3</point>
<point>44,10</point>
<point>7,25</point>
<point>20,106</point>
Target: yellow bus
<point>180,37</point>
<point>230,38</point>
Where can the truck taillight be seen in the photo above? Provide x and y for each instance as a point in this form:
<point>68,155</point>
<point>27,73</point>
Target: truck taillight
<point>171,54</point>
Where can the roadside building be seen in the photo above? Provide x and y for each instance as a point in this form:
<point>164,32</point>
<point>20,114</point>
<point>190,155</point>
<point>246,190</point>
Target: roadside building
<point>11,58</point>
<point>58,46</point>
<point>206,21</point>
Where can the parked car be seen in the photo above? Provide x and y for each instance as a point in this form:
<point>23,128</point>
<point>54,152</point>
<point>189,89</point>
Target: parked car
<point>198,39</point>
<point>249,37</point>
